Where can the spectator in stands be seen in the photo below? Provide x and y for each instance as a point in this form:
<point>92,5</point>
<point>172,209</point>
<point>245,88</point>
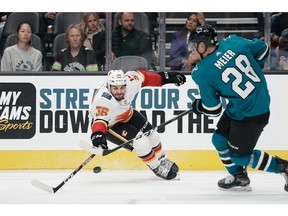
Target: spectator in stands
<point>48,19</point>
<point>95,36</point>
<point>282,51</point>
<point>3,18</point>
<point>22,56</point>
<point>126,40</point>
<point>76,57</point>
<point>46,28</point>
<point>279,22</point>
<point>179,48</point>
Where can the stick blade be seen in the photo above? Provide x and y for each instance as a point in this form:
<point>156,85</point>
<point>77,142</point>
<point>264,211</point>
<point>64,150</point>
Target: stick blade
<point>42,186</point>
<point>86,146</point>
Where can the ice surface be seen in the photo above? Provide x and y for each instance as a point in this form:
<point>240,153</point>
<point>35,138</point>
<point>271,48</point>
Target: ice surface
<point>141,187</point>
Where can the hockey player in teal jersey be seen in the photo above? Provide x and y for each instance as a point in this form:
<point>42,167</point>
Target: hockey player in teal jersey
<point>232,69</point>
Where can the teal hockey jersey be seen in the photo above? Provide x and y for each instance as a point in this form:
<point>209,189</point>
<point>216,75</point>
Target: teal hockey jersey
<point>234,71</point>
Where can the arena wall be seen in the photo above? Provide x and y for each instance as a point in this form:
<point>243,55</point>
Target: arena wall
<point>48,117</point>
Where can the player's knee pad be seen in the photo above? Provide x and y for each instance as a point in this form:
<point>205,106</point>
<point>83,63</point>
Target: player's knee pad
<point>220,142</point>
<point>142,146</point>
<point>156,145</point>
<point>154,139</point>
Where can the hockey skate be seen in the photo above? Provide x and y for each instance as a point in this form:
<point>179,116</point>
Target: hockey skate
<point>284,171</point>
<point>239,182</point>
<point>167,169</point>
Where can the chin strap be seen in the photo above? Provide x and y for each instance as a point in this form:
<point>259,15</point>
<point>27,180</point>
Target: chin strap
<point>201,54</point>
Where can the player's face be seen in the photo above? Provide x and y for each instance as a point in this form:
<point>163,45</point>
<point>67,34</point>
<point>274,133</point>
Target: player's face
<point>127,22</point>
<point>194,57</point>
<point>24,33</point>
<point>74,38</point>
<point>118,91</point>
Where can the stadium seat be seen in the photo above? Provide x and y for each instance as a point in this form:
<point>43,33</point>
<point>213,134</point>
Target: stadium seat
<point>59,43</point>
<point>64,19</point>
<point>127,63</point>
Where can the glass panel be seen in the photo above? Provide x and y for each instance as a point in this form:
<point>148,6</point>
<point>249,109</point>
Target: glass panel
<point>179,26</point>
<point>164,41</point>
<point>135,34</point>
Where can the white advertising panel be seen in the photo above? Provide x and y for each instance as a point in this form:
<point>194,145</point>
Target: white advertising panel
<point>51,113</point>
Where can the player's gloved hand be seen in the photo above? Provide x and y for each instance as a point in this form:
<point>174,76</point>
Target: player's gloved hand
<point>172,77</point>
<point>99,140</point>
<point>197,107</point>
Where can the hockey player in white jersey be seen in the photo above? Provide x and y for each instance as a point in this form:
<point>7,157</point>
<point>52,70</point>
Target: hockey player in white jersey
<point>113,117</point>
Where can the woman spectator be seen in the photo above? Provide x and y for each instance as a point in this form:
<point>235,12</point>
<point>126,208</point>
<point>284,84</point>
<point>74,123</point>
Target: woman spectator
<point>179,49</point>
<point>95,36</point>
<point>22,56</point>
<point>279,52</point>
<point>76,57</point>
<point>283,50</point>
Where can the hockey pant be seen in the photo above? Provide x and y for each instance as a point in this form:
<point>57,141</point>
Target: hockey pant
<point>148,148</point>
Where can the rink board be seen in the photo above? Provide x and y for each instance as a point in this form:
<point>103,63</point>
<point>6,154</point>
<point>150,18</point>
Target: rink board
<point>119,160</point>
<point>48,117</point>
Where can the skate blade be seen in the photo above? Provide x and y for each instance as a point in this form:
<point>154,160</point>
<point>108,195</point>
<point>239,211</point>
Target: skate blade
<point>177,178</point>
<point>246,188</point>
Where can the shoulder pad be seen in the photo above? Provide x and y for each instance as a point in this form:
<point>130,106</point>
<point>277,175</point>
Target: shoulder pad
<point>106,95</point>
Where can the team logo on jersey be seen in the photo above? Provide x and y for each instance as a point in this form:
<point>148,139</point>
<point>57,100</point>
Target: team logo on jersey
<point>126,102</point>
<point>124,133</point>
<point>17,110</point>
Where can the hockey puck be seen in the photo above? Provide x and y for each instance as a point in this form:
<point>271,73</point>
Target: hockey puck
<point>97,169</point>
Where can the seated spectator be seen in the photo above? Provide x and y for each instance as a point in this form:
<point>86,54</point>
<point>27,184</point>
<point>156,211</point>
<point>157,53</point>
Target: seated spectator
<point>22,56</point>
<point>279,22</point>
<point>95,36</point>
<point>3,18</point>
<point>48,18</point>
<point>46,26</point>
<point>126,40</point>
<point>76,57</point>
<point>283,50</point>
<point>179,50</point>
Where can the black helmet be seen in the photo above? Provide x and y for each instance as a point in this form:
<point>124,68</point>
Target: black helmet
<point>205,33</point>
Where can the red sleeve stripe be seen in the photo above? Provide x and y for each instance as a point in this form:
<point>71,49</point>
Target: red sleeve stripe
<point>99,125</point>
<point>150,78</point>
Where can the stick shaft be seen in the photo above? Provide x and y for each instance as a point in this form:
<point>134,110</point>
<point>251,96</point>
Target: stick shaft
<point>109,151</point>
<point>45,187</point>
<point>74,172</point>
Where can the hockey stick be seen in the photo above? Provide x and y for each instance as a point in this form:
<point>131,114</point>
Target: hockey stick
<point>104,152</point>
<point>98,151</point>
<point>53,190</point>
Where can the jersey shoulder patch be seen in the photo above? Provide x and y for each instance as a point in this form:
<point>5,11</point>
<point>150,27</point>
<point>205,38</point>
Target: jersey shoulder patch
<point>106,95</point>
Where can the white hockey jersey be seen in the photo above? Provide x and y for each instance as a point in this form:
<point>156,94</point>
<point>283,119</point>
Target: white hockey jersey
<point>105,107</point>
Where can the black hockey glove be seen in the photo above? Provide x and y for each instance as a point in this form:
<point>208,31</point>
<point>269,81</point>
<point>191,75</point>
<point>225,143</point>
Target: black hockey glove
<point>197,107</point>
<point>172,77</point>
<point>99,140</point>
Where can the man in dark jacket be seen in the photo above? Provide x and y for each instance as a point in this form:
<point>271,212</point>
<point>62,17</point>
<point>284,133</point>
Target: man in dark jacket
<point>126,40</point>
